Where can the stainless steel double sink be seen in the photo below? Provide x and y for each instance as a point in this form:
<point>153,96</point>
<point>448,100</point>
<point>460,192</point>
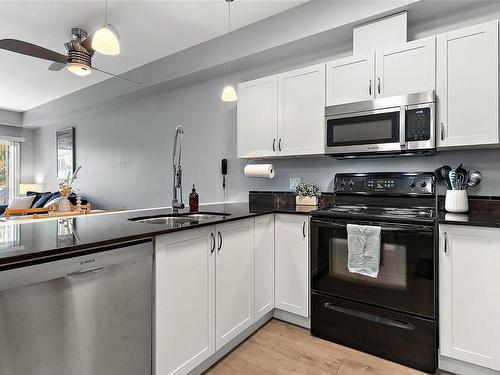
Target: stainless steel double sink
<point>180,219</point>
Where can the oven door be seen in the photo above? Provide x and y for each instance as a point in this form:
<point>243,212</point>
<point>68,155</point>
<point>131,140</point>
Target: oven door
<point>365,132</point>
<point>407,269</point>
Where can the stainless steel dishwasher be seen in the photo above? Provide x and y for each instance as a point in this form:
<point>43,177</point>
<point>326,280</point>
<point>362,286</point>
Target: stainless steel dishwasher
<point>86,315</point>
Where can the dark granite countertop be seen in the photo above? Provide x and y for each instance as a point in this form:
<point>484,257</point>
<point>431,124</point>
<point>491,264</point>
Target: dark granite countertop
<point>25,243</point>
<point>483,212</point>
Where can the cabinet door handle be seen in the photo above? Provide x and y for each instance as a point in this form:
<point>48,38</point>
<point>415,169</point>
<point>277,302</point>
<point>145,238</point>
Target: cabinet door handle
<point>442,131</point>
<point>445,242</point>
<point>220,241</point>
<point>274,144</point>
<point>279,145</point>
<point>378,85</point>
<point>212,247</point>
<point>370,88</point>
<point>304,229</point>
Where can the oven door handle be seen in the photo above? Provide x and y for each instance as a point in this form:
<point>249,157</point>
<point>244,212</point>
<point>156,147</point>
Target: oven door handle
<point>384,229</point>
<point>370,317</point>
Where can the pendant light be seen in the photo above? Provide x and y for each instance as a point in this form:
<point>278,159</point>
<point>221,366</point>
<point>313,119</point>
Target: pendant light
<point>105,40</point>
<point>229,93</point>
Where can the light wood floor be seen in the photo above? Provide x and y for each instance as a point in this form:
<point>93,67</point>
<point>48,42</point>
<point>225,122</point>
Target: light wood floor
<point>282,348</point>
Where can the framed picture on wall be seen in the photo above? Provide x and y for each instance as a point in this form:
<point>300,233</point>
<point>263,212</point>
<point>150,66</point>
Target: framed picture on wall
<point>65,151</point>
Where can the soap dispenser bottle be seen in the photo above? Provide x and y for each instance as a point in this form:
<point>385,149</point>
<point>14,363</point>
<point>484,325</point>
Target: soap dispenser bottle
<point>193,200</point>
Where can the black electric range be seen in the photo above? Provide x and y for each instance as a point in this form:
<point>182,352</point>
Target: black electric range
<point>392,315</point>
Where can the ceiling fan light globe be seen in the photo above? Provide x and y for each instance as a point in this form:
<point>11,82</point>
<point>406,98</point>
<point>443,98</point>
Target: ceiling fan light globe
<point>79,69</point>
<point>105,41</point>
<point>229,94</point>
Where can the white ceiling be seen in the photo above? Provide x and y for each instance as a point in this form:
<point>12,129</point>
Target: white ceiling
<point>148,31</point>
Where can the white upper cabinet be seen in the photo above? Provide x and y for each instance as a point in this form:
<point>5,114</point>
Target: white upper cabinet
<point>257,118</point>
<point>185,300</point>
<point>469,307</point>
<point>301,111</point>
<point>467,86</point>
<point>292,264</point>
<point>350,79</point>
<point>403,69</point>
<point>264,265</point>
<point>406,69</point>
<point>234,279</point>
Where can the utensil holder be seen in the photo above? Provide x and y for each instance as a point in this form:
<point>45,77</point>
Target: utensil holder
<point>456,201</point>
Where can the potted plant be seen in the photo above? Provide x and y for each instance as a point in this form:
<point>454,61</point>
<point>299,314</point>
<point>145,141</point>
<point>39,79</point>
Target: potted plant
<point>307,194</point>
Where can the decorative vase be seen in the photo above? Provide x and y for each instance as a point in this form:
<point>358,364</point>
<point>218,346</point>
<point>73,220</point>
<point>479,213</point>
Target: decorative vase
<point>64,204</point>
<point>456,201</point>
<point>306,201</point>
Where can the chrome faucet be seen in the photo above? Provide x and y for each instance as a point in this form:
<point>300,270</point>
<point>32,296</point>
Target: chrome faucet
<point>177,171</point>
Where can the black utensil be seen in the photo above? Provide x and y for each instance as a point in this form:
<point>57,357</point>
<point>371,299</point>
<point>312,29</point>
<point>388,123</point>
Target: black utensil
<point>445,175</point>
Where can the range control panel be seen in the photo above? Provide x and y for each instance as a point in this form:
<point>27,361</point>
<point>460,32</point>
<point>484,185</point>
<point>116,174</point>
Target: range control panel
<point>385,183</point>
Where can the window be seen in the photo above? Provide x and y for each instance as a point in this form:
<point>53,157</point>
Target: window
<point>9,170</point>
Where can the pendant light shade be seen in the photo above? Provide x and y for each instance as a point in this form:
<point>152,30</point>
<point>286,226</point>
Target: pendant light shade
<point>105,41</point>
<point>229,94</point>
<point>79,69</point>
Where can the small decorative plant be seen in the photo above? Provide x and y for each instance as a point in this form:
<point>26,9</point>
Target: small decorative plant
<point>65,186</point>
<point>307,190</point>
<point>307,194</point>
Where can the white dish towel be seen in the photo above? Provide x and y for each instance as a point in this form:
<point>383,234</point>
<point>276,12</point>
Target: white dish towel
<point>363,245</point>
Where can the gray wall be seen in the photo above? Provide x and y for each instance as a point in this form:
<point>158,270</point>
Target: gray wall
<point>125,150</point>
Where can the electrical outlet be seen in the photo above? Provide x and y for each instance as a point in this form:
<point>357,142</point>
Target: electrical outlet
<point>294,181</point>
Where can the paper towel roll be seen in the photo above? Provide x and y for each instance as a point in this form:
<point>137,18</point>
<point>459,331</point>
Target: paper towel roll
<point>259,170</point>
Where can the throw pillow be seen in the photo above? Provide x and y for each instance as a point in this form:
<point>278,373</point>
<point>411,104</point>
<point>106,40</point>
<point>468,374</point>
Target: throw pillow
<point>21,203</point>
<point>40,202</point>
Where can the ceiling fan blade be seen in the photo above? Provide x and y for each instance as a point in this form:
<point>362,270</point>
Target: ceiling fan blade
<point>33,50</point>
<point>118,76</point>
<point>55,67</point>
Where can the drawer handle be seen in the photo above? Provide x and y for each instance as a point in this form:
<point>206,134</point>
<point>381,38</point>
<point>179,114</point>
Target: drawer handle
<point>370,317</point>
<point>274,144</point>
<point>279,145</point>
<point>304,229</point>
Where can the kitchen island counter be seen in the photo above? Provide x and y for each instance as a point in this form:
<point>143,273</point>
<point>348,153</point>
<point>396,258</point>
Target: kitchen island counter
<point>27,243</point>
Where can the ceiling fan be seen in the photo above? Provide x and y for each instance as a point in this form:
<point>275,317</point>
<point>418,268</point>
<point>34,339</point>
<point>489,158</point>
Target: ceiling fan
<point>80,50</point>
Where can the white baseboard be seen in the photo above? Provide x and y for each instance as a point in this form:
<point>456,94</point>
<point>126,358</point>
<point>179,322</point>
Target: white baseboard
<point>231,345</point>
<point>292,318</point>
<point>463,368</point>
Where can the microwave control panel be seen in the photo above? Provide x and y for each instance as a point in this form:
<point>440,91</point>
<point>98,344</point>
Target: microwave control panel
<point>378,183</point>
<point>418,124</point>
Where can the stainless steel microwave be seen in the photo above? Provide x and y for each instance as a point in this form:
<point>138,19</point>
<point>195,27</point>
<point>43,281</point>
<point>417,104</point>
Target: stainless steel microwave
<point>392,125</point>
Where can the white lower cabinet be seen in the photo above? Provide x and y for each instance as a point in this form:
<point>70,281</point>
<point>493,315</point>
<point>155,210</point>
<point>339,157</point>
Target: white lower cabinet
<point>234,279</point>
<point>185,301</point>
<point>469,303</point>
<point>213,283</point>
<point>292,263</point>
<point>264,265</point>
